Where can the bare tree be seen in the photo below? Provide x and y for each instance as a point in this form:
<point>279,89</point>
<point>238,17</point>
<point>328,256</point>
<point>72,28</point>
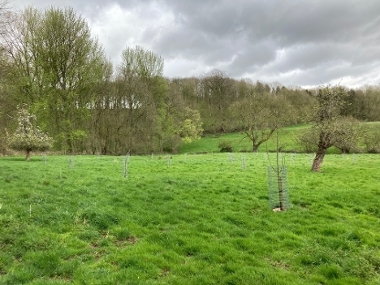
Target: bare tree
<point>326,120</point>
<point>217,95</point>
<point>5,16</point>
<point>260,115</point>
<point>345,137</point>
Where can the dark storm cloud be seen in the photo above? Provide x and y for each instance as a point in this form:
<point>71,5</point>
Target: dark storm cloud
<point>290,41</point>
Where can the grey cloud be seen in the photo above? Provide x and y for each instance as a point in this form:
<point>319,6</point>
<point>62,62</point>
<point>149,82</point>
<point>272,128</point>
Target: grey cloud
<point>295,42</point>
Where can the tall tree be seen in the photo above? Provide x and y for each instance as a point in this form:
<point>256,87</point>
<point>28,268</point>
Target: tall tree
<point>371,101</point>
<point>141,92</point>
<point>7,104</point>
<point>58,65</point>
<point>326,120</point>
<point>190,127</point>
<point>218,95</point>
<point>103,117</point>
<point>177,121</point>
<point>5,16</point>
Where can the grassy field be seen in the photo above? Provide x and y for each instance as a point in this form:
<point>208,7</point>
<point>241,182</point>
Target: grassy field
<point>287,141</point>
<point>188,219</point>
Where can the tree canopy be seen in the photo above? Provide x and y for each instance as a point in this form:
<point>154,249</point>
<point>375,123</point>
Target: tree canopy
<point>57,66</point>
<point>50,61</point>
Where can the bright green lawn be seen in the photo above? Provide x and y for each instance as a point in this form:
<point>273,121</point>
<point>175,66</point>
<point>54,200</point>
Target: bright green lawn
<point>287,142</point>
<point>188,219</point>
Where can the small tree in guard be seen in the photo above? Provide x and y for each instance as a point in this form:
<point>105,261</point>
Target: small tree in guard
<point>278,188</point>
<point>278,184</point>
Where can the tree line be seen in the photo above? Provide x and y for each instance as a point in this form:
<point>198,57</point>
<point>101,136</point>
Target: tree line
<point>50,63</point>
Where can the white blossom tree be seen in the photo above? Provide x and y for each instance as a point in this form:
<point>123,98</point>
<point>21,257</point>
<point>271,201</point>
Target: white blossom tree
<point>27,136</point>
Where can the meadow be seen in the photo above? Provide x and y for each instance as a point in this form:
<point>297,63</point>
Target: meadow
<point>288,137</point>
<point>188,219</point>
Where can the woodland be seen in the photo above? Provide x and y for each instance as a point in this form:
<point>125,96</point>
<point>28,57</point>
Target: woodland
<point>54,71</point>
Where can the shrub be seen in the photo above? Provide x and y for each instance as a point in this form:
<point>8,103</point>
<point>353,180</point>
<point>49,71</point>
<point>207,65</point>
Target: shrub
<point>308,140</point>
<point>371,135</point>
<point>225,146</point>
<point>346,137</point>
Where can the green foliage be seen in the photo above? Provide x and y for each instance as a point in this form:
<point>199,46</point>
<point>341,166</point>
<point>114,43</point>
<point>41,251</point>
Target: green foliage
<point>346,137</point>
<point>58,66</point>
<point>133,113</point>
<point>371,137</point>
<point>259,115</point>
<point>308,140</point>
<point>330,102</point>
<point>51,62</point>
<point>295,139</point>
<point>141,63</point>
<point>216,95</point>
<point>55,66</point>
<point>225,146</point>
<point>28,137</point>
<point>3,142</point>
<point>191,127</point>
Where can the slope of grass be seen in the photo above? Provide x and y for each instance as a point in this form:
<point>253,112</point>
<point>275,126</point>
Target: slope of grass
<point>239,141</point>
<point>187,219</point>
<point>288,141</point>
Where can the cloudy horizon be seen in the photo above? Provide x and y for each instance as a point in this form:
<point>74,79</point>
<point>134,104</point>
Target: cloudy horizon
<point>290,42</point>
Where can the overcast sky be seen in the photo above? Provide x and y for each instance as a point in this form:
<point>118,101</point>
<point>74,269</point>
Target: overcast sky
<point>292,42</point>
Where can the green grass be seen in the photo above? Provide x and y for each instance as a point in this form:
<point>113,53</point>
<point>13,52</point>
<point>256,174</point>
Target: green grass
<point>287,142</point>
<point>188,219</point>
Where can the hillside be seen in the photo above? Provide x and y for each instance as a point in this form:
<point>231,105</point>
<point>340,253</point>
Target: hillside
<point>288,141</point>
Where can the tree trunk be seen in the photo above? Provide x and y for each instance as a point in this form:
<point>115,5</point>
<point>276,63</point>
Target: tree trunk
<point>255,147</point>
<point>280,190</point>
<point>27,154</point>
<point>318,160</point>
<point>69,145</point>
